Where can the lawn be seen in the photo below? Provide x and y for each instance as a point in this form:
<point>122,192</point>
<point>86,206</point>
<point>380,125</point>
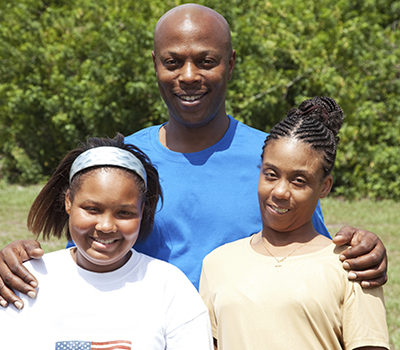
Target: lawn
<point>381,217</point>
<point>14,206</point>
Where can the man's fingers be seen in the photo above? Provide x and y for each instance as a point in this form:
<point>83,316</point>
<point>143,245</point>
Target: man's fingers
<point>33,249</point>
<point>11,262</point>
<point>372,277</point>
<point>36,253</point>
<point>344,236</point>
<point>20,279</point>
<point>367,267</point>
<point>365,259</point>
<point>3,302</point>
<point>13,275</point>
<point>377,282</point>
<point>366,250</point>
<point>366,255</point>
<point>8,297</point>
<point>20,251</point>
<point>10,282</point>
<point>362,257</point>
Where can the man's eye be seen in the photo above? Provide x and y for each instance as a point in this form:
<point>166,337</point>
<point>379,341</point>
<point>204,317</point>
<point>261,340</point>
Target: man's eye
<point>208,62</point>
<point>170,63</point>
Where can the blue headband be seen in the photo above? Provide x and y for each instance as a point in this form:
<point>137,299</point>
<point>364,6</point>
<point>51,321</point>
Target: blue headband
<point>107,155</point>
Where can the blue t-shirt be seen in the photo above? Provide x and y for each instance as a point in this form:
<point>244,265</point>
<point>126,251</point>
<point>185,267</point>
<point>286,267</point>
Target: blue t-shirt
<point>210,197</point>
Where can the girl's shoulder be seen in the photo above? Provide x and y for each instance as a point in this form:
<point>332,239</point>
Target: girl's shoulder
<point>160,272</point>
<point>229,253</point>
<point>231,247</point>
<point>50,261</point>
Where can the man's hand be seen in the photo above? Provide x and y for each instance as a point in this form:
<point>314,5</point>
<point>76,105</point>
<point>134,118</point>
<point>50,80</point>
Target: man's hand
<point>366,257</point>
<point>13,275</point>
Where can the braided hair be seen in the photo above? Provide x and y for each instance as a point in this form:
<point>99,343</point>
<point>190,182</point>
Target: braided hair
<point>316,121</point>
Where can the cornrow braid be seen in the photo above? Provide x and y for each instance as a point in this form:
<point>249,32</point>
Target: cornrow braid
<point>316,121</point>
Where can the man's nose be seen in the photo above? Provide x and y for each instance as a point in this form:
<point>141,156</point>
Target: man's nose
<point>189,73</point>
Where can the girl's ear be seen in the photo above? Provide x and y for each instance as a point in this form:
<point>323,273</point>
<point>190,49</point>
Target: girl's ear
<point>68,202</point>
<point>326,186</point>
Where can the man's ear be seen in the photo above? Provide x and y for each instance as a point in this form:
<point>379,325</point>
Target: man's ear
<point>232,61</point>
<point>326,186</point>
<point>68,202</point>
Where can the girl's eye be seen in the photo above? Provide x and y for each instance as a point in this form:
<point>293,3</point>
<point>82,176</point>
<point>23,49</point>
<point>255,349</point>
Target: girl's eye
<point>126,214</point>
<point>299,181</point>
<point>92,209</point>
<point>270,175</point>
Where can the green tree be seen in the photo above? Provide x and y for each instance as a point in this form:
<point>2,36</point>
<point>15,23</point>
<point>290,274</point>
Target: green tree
<point>71,69</point>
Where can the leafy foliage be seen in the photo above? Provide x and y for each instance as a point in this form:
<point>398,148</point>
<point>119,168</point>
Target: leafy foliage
<point>70,69</point>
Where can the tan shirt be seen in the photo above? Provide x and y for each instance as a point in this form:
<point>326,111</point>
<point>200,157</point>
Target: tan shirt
<point>307,303</point>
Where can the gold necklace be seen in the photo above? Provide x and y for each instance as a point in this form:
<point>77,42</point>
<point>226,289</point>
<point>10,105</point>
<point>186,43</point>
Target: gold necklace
<point>279,261</point>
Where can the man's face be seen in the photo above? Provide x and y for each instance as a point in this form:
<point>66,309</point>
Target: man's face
<point>193,64</point>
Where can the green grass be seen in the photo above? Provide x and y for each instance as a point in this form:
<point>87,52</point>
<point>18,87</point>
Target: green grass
<point>15,202</point>
<point>380,217</point>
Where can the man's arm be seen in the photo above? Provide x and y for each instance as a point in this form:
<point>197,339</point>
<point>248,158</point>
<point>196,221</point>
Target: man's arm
<point>366,257</point>
<point>13,275</point>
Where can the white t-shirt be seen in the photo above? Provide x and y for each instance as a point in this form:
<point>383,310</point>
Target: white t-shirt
<point>144,305</point>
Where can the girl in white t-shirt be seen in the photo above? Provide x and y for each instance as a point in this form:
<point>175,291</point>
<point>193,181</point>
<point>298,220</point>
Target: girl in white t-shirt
<point>284,287</point>
<point>102,293</point>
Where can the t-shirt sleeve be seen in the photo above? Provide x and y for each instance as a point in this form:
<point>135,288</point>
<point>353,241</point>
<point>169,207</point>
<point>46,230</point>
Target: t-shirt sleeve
<point>194,334</point>
<point>207,297</point>
<point>187,322</point>
<point>364,318</point>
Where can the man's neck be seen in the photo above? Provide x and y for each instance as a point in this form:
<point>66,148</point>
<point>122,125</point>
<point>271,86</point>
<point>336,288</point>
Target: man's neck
<point>180,138</point>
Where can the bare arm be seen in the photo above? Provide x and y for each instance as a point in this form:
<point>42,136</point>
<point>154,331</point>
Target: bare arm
<point>366,257</point>
<point>13,275</point>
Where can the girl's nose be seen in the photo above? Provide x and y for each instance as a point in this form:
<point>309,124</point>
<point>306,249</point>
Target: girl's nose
<point>281,189</point>
<point>106,224</point>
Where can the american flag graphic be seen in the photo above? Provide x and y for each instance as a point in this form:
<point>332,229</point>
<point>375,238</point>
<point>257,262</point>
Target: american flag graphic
<point>92,345</point>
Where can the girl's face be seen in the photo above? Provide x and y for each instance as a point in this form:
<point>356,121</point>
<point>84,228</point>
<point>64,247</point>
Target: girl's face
<point>104,218</point>
<point>290,185</point>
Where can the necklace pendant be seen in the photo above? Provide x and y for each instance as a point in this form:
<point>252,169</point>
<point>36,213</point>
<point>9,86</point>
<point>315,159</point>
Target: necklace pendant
<point>278,265</point>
